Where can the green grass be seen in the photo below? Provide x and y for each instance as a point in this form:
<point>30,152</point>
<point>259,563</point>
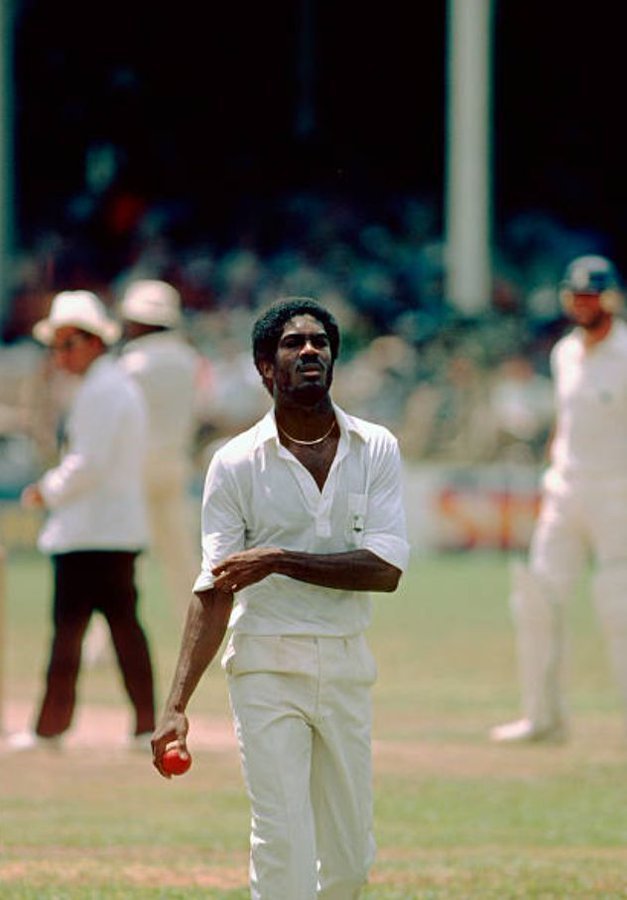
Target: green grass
<point>456,817</point>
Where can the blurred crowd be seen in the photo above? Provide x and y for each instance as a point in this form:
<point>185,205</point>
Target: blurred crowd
<point>453,388</point>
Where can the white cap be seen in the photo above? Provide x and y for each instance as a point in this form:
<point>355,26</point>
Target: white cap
<point>151,302</point>
<point>80,309</point>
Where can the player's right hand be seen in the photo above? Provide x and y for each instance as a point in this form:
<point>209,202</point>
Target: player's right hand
<point>172,729</point>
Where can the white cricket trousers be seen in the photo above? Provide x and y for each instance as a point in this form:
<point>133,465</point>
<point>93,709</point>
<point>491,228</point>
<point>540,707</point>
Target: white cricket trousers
<point>302,712</point>
<point>580,522</point>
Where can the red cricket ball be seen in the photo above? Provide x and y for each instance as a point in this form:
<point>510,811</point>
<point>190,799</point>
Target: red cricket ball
<point>174,762</point>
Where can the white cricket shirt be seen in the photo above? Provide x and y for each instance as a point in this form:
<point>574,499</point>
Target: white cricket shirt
<point>165,366</point>
<point>258,494</point>
<point>95,495</point>
<point>591,398</point>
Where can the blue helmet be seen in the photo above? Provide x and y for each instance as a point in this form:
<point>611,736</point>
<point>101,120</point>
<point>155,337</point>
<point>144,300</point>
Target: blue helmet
<point>590,275</point>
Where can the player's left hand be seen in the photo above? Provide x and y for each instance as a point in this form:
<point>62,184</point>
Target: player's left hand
<point>240,570</point>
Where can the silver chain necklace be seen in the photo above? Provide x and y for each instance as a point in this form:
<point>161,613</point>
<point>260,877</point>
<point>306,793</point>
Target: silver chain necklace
<point>306,443</point>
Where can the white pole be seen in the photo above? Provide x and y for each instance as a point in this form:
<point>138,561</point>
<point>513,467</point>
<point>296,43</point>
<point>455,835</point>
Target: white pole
<point>468,155</point>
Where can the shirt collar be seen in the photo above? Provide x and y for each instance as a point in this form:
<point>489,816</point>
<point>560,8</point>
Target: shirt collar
<point>267,429</point>
<point>617,330</point>
<point>100,364</point>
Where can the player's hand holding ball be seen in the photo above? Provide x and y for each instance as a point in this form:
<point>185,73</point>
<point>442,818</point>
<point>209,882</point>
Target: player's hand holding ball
<point>175,760</point>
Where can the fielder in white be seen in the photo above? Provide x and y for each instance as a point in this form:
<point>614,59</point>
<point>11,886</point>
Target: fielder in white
<point>302,517</point>
<point>583,513</point>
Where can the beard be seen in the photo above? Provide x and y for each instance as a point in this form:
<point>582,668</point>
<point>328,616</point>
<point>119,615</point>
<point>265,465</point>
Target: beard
<point>306,395</point>
<point>309,395</point>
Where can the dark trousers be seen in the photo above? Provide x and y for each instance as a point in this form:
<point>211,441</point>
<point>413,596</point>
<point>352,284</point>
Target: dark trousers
<point>86,581</point>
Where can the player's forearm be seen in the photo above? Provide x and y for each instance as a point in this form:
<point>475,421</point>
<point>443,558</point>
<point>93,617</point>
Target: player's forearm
<point>356,570</point>
<point>205,627</point>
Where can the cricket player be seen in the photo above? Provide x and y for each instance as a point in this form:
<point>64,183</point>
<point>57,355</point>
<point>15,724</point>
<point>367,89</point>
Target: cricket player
<point>583,515</point>
<point>302,517</point>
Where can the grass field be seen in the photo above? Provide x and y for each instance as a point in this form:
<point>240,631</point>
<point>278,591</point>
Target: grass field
<point>456,817</point>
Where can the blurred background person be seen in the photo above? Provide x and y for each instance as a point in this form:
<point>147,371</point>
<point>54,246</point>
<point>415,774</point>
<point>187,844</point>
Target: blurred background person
<point>448,417</point>
<point>96,524</point>
<point>164,365</point>
<point>378,380</point>
<point>521,401</point>
<point>583,512</point>
<point>229,397</point>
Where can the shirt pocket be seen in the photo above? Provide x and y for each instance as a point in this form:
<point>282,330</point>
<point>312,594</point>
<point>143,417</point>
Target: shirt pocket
<point>356,519</point>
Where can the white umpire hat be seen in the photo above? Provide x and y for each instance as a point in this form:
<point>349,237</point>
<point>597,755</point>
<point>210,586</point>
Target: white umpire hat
<point>151,302</point>
<point>80,309</point>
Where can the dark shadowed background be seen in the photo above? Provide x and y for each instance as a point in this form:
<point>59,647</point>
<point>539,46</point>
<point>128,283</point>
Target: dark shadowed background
<point>220,104</point>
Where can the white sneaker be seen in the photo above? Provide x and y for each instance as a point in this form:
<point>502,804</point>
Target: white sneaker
<point>523,730</point>
<point>20,741</point>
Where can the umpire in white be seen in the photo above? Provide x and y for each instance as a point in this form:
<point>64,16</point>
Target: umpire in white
<point>165,366</point>
<point>583,515</point>
<point>96,523</point>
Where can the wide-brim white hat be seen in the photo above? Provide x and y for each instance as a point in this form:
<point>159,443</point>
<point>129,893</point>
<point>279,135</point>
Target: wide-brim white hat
<point>80,309</point>
<point>151,302</point>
